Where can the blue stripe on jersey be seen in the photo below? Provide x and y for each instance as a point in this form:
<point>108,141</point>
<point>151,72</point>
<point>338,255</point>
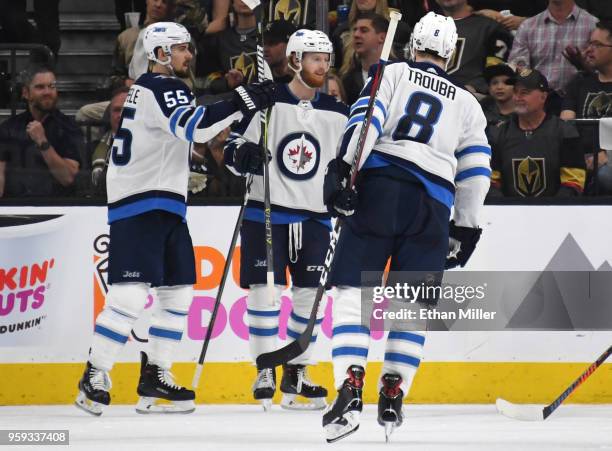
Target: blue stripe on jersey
<point>473,172</point>
<point>473,149</point>
<point>302,320</point>
<point>350,351</point>
<point>261,332</point>
<point>105,332</point>
<point>256,214</point>
<point>216,112</point>
<point>191,124</point>
<point>358,119</point>
<point>350,329</point>
<point>142,206</point>
<point>165,333</point>
<point>407,336</point>
<point>402,358</point>
<point>293,334</point>
<point>435,190</point>
<point>174,118</point>
<point>363,102</point>
<point>267,313</point>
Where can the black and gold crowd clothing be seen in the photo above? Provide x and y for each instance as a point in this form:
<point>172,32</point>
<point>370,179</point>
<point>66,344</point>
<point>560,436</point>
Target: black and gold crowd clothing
<point>481,42</point>
<point>226,50</point>
<point>546,161</point>
<point>588,98</point>
<point>302,13</point>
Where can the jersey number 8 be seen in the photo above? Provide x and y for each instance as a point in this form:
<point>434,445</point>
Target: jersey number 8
<point>422,113</point>
<point>122,143</point>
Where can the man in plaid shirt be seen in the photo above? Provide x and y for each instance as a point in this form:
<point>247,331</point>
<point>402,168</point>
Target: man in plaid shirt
<point>541,40</point>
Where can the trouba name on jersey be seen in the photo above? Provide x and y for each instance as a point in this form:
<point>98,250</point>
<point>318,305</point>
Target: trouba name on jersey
<point>435,83</point>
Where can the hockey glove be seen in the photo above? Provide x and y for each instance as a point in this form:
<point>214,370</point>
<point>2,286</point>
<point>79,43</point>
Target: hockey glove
<point>254,97</point>
<point>340,199</point>
<point>248,158</point>
<point>462,242</point>
<point>198,175</point>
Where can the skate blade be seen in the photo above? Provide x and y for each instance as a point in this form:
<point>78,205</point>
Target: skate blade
<point>87,405</point>
<point>389,428</point>
<point>149,405</point>
<point>266,403</point>
<point>337,432</point>
<point>292,401</point>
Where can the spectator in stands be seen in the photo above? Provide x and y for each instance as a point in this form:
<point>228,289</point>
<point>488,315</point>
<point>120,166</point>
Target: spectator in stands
<point>411,10</point>
<point>41,148</point>
<point>202,17</point>
<point>369,34</point>
<point>519,9</point>
<point>232,54</point>
<point>482,42</point>
<point>302,13</point>
<point>99,159</point>
<point>335,87</point>
<point>534,153</point>
<point>128,44</point>
<point>602,9</point>
<point>499,104</point>
<point>541,40</point>
<point>276,37</point>
<point>221,182</point>
<point>17,29</point>
<point>589,94</point>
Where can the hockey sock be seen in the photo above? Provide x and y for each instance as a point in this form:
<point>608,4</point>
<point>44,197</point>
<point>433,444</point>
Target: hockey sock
<point>124,303</point>
<point>168,324</point>
<point>350,338</point>
<point>263,319</point>
<point>303,299</point>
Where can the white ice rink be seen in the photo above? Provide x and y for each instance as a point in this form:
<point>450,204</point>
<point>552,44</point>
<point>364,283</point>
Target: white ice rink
<point>247,427</point>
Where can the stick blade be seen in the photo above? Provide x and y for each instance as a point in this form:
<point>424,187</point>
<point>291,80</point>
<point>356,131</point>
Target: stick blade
<point>523,412</point>
<point>280,356</point>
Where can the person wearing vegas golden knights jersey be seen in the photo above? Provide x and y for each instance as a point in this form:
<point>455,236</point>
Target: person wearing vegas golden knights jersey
<point>547,161</point>
<point>302,13</point>
<point>481,42</point>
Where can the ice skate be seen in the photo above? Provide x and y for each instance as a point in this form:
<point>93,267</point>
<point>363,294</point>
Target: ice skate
<point>342,417</point>
<point>295,383</point>
<point>157,384</point>
<point>264,387</point>
<point>390,404</point>
<point>93,390</point>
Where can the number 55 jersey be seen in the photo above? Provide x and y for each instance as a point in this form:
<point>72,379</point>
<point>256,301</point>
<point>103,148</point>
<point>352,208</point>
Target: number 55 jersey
<point>431,127</point>
<point>149,161</point>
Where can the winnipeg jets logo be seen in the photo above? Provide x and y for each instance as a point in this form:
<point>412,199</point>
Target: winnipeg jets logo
<point>298,155</point>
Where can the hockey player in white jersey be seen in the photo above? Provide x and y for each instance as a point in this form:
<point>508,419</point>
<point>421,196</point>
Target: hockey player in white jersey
<point>425,151</point>
<point>150,245</point>
<point>304,128</point>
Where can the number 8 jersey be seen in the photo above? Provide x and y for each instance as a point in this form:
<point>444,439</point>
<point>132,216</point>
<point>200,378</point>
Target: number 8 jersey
<point>432,128</point>
<point>149,162</point>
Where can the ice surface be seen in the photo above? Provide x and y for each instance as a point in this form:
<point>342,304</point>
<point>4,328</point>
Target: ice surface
<point>247,427</point>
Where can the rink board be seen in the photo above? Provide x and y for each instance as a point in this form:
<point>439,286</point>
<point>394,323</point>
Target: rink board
<point>56,283</point>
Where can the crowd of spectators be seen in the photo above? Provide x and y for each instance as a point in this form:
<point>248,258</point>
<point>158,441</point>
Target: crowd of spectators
<point>534,66</point>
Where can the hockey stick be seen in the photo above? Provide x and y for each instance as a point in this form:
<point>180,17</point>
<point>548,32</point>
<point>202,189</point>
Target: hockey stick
<point>528,412</point>
<point>226,269</point>
<point>298,346</point>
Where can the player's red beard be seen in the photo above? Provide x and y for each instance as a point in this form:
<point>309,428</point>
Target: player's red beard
<point>312,79</point>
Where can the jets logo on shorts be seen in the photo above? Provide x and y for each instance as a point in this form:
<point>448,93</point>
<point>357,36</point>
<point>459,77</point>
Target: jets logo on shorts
<point>298,155</point>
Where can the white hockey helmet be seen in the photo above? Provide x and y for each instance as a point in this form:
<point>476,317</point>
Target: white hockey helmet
<point>434,34</point>
<point>304,40</point>
<point>164,35</point>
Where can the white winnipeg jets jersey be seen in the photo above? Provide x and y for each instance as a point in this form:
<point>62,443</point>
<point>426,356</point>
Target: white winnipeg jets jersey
<point>302,138</point>
<point>431,127</point>
<point>149,162</point>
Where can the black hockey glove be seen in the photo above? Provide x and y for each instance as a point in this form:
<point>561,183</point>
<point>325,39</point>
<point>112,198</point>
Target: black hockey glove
<point>254,97</point>
<point>339,198</point>
<point>248,158</point>
<point>462,242</point>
